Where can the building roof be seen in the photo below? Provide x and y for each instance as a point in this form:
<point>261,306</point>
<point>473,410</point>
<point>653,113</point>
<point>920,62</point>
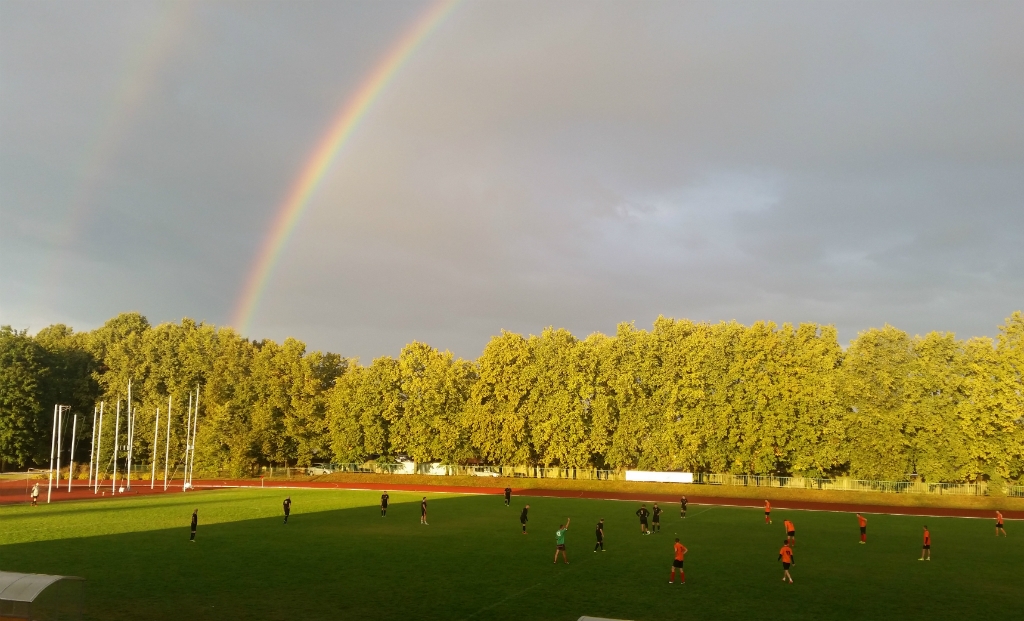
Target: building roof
<point>15,587</point>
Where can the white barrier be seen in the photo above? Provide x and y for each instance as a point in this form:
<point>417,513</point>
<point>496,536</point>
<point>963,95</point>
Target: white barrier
<point>659,477</point>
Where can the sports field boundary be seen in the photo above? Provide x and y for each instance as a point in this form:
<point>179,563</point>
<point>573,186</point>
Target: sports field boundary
<point>670,500</point>
<point>15,494</point>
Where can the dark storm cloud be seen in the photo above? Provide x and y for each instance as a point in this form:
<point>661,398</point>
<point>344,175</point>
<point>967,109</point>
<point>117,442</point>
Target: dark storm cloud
<point>571,164</point>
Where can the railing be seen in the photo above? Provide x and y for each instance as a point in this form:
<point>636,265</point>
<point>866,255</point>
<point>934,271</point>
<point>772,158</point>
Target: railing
<point>740,480</point>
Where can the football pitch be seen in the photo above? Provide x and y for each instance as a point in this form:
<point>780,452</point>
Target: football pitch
<point>338,559</point>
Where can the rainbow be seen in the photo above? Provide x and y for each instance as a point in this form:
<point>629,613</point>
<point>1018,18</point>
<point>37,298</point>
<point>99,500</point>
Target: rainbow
<point>319,162</point>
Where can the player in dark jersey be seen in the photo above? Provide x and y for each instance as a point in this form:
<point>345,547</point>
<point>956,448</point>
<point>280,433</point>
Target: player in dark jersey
<point>508,495</point>
<point>287,508</point>
<point>195,523</point>
<point>656,518</point>
<point>682,507</point>
<point>384,498</point>
<point>599,533</point>
<point>642,513</point>
<point>423,511</point>
<point>523,519</point>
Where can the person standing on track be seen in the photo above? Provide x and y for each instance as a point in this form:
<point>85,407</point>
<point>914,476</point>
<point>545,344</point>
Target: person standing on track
<point>560,541</point>
<point>767,512</point>
<point>680,552</point>
<point>790,533</point>
<point>656,518</point>
<point>35,495</point>
<point>384,498</point>
<point>523,519</point>
<point>786,556</point>
<point>599,533</point>
<point>508,496</point>
<point>195,524</point>
<point>642,513</point>
<point>682,507</point>
<point>287,508</point>
<point>926,547</point>
<point>999,524</point>
<point>863,528</point>
<point>423,511</point>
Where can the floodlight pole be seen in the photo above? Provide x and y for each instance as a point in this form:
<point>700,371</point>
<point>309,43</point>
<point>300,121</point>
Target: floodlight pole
<point>117,428</point>
<point>99,445</point>
<point>53,443</point>
<point>92,447</point>
<point>60,438</point>
<point>71,458</point>
<point>156,431</point>
<point>131,435</point>
<point>195,427</point>
<point>188,436</point>
<point>167,446</point>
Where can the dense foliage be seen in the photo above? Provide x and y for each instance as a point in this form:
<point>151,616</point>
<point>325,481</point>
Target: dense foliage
<point>721,397</point>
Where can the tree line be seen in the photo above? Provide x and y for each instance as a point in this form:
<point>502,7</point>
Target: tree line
<point>702,397</point>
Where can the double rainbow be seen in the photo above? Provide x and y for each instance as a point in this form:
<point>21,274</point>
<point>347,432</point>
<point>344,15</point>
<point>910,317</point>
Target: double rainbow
<point>323,156</point>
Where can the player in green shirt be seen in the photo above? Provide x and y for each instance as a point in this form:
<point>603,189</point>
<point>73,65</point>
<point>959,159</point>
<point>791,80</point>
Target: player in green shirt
<point>560,541</point>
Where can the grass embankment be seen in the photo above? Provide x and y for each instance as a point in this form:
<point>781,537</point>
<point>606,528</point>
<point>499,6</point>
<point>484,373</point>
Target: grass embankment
<point>705,491</point>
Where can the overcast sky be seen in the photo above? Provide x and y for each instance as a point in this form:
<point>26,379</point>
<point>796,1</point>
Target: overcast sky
<point>575,164</point>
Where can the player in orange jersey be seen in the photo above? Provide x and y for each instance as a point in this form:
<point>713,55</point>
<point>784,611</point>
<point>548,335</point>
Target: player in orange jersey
<point>681,551</point>
<point>790,533</point>
<point>786,556</point>
<point>863,528</point>
<point>999,524</point>
<point>767,512</point>
<point>926,547</point>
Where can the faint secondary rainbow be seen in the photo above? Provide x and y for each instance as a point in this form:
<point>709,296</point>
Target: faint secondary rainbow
<point>327,149</point>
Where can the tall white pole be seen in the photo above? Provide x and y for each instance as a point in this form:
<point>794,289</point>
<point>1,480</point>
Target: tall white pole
<point>195,427</point>
<point>131,443</point>
<point>53,443</point>
<point>99,445</point>
<point>71,458</point>
<point>117,427</point>
<point>188,436</point>
<point>92,447</point>
<point>167,446</point>
<point>156,436</point>
<point>60,438</point>
<point>130,421</point>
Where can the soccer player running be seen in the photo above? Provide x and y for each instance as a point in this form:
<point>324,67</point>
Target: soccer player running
<point>287,508</point>
<point>423,511</point>
<point>384,498</point>
<point>680,551</point>
<point>523,519</point>
<point>599,533</point>
<point>656,518</point>
<point>790,533</point>
<point>560,541</point>
<point>508,496</point>
<point>786,556</point>
<point>863,528</point>
<point>926,547</point>
<point>195,524</point>
<point>999,524</point>
<point>642,513</point>
<point>767,512</point>
<point>682,507</point>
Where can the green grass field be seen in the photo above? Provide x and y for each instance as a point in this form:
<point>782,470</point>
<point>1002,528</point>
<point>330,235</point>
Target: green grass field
<point>338,559</point>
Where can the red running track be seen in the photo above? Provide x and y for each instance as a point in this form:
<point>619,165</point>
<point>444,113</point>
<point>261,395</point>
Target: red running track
<point>12,492</point>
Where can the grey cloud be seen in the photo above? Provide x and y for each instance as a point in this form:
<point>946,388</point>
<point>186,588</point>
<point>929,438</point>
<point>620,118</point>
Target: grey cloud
<point>533,164</point>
